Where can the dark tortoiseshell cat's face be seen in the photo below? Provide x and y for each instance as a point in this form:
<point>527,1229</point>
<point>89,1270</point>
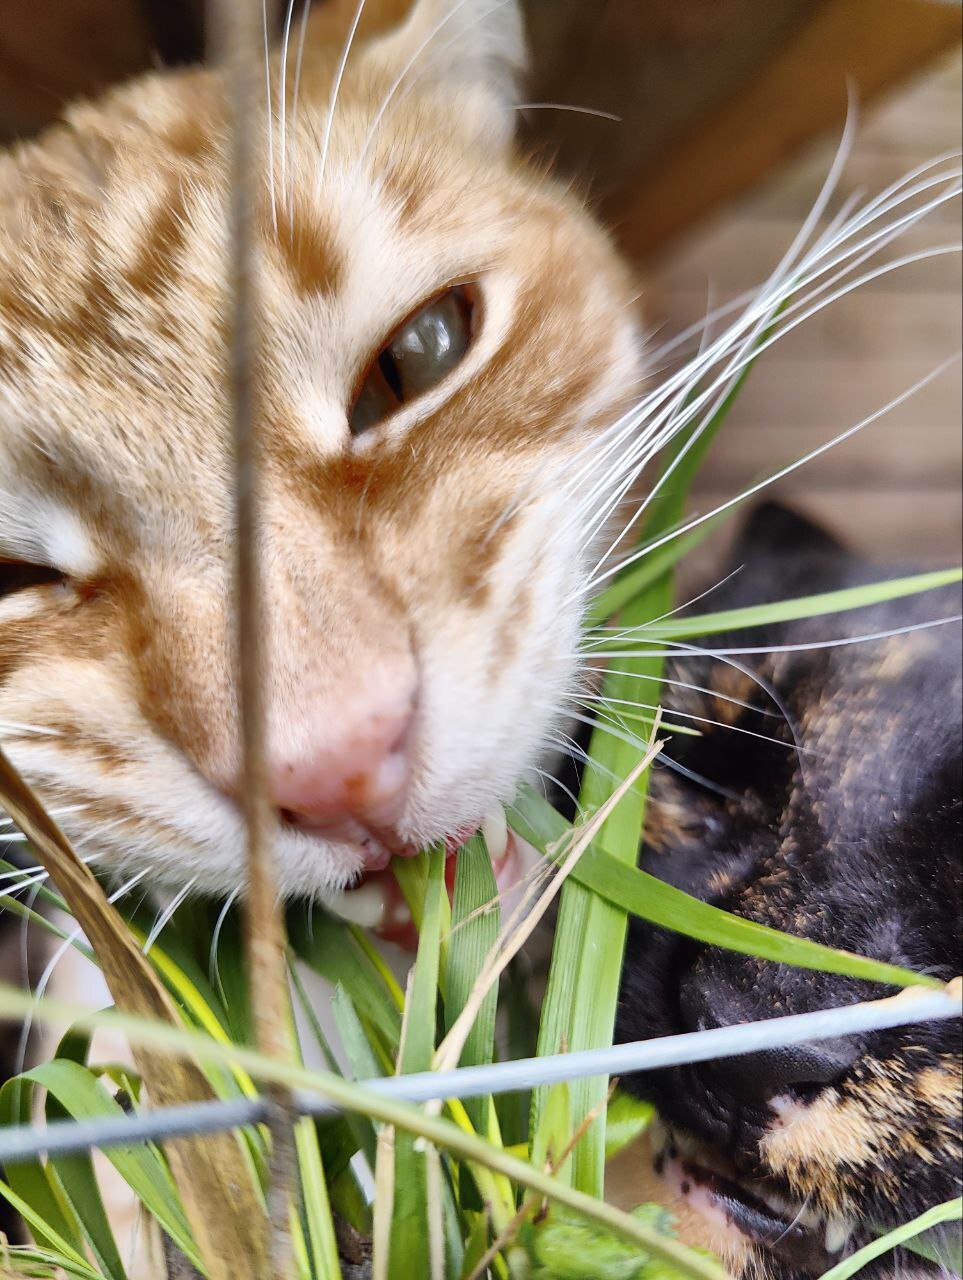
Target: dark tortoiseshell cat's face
<point>786,1161</point>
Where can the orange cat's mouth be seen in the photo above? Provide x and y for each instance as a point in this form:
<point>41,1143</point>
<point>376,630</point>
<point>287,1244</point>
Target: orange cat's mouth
<point>377,903</point>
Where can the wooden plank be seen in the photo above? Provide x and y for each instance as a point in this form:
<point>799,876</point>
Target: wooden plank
<point>890,456</point>
<point>889,526</point>
<point>786,394</point>
<point>53,50</point>
<point>796,94</point>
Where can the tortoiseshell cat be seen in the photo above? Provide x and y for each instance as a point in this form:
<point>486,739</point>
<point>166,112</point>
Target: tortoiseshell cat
<point>781,1161</point>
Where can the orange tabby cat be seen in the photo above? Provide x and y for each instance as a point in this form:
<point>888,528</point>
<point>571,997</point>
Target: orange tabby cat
<point>448,335</point>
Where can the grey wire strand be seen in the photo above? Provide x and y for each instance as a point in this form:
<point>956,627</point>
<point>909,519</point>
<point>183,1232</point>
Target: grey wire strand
<point>23,1142</point>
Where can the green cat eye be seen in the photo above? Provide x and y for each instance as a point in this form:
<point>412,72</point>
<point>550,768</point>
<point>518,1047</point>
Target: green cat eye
<point>417,357</point>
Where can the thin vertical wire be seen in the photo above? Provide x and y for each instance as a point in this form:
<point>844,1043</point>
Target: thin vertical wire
<point>243,25</point>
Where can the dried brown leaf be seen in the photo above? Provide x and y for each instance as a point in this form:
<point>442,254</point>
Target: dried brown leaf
<point>227,1220</point>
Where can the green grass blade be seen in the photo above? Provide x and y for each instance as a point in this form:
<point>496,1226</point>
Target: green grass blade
<point>81,1095</point>
<point>950,1211</point>
<point>330,949</point>
<point>70,1258</point>
<point>316,1206</point>
<point>420,1007</point>
<point>579,1010</point>
<point>76,1175</point>
<point>474,929</point>
<point>628,889</point>
<point>363,1062</point>
<point>76,1172</point>
<point>760,615</point>
<point>32,1263</point>
<point>417,1215</point>
<point>627,1118</point>
<point>579,1007</point>
<point>34,1182</point>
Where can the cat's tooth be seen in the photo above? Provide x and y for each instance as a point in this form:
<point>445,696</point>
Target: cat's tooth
<point>838,1231</point>
<point>494,828</point>
<point>365,906</point>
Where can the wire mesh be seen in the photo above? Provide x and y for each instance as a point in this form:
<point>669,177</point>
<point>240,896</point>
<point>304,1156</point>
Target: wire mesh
<point>908,1008</point>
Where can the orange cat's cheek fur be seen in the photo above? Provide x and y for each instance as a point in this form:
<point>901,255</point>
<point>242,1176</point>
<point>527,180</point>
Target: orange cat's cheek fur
<point>442,547</point>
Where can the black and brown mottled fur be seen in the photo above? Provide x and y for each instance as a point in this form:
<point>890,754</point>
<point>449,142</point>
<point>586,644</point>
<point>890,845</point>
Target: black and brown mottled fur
<point>851,836</point>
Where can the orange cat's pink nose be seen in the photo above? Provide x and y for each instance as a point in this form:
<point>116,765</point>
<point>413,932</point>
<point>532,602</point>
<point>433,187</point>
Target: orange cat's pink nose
<point>357,771</point>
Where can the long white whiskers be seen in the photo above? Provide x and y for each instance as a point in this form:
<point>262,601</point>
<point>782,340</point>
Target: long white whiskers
<point>71,940</point>
<point>166,914</point>
<point>296,100</point>
<point>777,475</point>
<point>283,95</point>
<point>335,91</point>
<point>270,114</point>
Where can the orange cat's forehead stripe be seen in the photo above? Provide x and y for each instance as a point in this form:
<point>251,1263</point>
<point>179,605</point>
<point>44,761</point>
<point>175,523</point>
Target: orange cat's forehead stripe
<point>155,264</point>
<point>309,251</point>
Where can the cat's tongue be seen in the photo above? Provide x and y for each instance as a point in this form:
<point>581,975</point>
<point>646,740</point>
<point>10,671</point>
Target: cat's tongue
<point>378,904</point>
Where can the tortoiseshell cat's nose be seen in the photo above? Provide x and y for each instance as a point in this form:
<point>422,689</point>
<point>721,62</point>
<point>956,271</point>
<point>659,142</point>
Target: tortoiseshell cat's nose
<point>754,1079</point>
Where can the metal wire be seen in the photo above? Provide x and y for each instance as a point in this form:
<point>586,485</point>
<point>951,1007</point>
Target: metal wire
<point>22,1143</point>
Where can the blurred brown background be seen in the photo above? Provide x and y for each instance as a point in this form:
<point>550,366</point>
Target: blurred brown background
<point>727,112</point>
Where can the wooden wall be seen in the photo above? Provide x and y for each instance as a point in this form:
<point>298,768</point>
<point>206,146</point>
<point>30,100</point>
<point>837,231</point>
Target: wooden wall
<point>894,490</point>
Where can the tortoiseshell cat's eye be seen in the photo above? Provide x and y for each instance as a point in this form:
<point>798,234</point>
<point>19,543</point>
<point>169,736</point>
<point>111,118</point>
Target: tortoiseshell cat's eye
<point>417,357</point>
<point>15,577</point>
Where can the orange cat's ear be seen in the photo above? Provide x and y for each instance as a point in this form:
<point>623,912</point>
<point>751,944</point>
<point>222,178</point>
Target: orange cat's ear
<point>464,45</point>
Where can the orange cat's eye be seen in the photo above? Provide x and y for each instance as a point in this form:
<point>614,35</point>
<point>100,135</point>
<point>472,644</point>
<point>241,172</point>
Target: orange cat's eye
<point>15,577</point>
<point>417,357</point>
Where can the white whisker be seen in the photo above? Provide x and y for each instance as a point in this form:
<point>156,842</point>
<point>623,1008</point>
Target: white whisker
<point>671,647</point>
<point>72,939</point>
<point>335,90</point>
<point>270,115</point>
<point>568,106</point>
<point>214,963</point>
<point>606,701</point>
<point>165,916</point>
<point>784,471</point>
<point>283,95</point>
<point>296,99</point>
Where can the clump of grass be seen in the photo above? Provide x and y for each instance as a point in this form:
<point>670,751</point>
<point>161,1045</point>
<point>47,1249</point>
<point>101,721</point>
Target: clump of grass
<point>483,1188</point>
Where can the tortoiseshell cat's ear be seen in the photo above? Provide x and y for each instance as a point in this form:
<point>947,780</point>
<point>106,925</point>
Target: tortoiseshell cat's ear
<point>775,530</point>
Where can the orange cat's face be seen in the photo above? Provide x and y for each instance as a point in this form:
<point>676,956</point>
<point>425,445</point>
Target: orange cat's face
<point>446,335</point>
